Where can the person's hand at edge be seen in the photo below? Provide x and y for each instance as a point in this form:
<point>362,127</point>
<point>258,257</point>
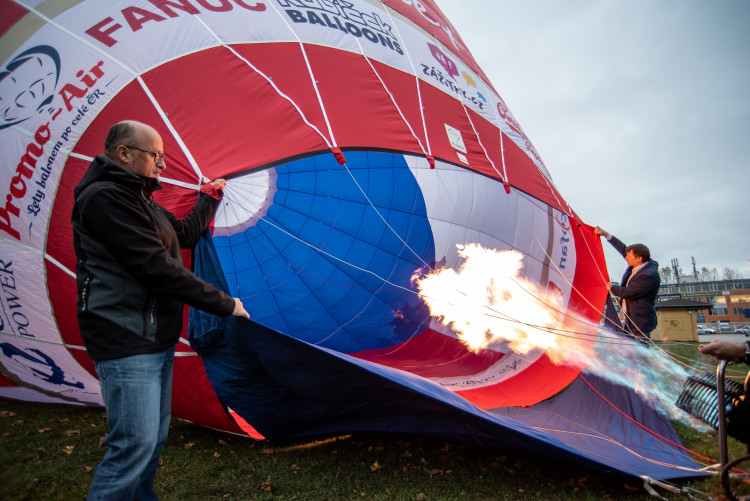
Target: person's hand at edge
<point>239,309</point>
<point>723,350</point>
<point>600,231</point>
<point>214,189</point>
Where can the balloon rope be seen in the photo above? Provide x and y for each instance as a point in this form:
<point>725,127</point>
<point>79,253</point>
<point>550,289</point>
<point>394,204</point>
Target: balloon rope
<point>310,72</point>
<point>601,436</point>
<point>416,78</point>
<point>502,156</point>
<point>479,140</point>
<point>641,425</point>
<point>270,82</point>
<point>393,98</point>
<point>650,341</point>
<point>395,233</point>
<point>574,334</point>
<point>172,130</point>
<point>497,314</point>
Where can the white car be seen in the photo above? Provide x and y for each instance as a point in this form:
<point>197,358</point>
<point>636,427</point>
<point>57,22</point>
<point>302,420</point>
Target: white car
<point>743,330</point>
<point>702,329</point>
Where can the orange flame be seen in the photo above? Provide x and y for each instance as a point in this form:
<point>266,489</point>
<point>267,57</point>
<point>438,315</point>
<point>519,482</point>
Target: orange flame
<point>487,301</point>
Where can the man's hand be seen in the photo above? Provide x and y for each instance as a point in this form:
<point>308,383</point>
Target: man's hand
<point>601,232</point>
<point>239,309</point>
<point>723,350</point>
<point>214,189</point>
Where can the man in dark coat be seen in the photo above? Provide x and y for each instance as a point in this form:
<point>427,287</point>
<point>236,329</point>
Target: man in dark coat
<point>638,289</point>
<point>132,287</point>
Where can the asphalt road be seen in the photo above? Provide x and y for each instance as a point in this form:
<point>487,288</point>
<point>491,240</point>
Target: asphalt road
<point>737,338</point>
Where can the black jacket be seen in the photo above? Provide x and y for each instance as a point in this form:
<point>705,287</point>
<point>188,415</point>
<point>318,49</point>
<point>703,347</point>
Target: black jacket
<point>639,293</point>
<point>131,280</point>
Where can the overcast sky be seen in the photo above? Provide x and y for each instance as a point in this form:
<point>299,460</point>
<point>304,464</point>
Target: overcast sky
<point>640,110</point>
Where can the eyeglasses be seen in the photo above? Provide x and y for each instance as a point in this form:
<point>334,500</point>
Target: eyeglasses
<point>157,156</point>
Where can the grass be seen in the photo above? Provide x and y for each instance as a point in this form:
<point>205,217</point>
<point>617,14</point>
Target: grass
<point>49,452</point>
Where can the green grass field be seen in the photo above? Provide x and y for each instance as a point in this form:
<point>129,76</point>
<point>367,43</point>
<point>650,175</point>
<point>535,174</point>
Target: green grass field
<point>49,452</point>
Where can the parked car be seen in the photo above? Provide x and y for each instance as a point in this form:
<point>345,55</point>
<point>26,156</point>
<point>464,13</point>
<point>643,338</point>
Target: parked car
<point>702,329</point>
<point>743,330</point>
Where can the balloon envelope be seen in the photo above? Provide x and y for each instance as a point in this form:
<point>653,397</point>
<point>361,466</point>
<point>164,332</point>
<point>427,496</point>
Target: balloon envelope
<point>361,143</point>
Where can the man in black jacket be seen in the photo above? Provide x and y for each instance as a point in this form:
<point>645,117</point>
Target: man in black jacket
<point>132,287</point>
<point>638,289</point>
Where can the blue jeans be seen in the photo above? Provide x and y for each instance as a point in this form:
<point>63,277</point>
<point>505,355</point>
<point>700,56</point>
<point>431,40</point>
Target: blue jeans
<point>137,393</point>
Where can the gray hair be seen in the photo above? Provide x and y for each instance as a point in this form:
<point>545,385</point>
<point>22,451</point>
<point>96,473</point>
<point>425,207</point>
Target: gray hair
<point>120,133</point>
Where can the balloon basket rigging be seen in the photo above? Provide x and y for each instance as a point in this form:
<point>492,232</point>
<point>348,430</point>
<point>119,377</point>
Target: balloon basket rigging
<point>724,405</point>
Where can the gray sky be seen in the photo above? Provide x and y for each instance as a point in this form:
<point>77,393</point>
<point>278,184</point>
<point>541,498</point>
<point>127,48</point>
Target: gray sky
<point>640,110</point>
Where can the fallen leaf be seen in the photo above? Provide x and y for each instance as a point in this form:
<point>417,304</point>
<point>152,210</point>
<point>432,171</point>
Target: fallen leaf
<point>222,442</point>
<point>226,496</point>
<point>295,467</point>
<point>101,440</point>
<point>7,414</point>
<point>6,434</point>
<point>266,486</point>
<point>217,455</point>
<point>375,466</point>
<point>406,454</point>
<point>266,451</point>
<point>44,430</point>
<point>433,472</point>
<point>88,468</point>
<point>189,445</point>
<point>631,488</point>
<point>71,433</point>
<point>578,483</point>
<point>420,496</point>
<point>68,449</point>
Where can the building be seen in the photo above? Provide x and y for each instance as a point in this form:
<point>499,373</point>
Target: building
<point>677,320</point>
<point>727,302</point>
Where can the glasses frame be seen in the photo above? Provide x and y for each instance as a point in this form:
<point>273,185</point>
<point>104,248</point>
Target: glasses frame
<point>156,156</point>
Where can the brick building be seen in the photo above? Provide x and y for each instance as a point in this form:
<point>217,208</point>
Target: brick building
<point>727,301</point>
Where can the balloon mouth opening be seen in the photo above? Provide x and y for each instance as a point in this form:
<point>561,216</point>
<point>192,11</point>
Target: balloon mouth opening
<point>246,201</point>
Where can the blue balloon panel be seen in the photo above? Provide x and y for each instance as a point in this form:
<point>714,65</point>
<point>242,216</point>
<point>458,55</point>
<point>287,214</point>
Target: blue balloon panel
<point>331,260</point>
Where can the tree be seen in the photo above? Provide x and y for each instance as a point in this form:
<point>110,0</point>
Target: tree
<point>706,275</point>
<point>731,273</point>
<point>666,275</point>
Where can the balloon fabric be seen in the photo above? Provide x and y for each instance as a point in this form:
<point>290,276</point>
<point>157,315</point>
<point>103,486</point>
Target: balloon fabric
<point>363,149</point>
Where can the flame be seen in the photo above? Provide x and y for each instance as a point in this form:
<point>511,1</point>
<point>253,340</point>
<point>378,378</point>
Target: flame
<point>487,301</point>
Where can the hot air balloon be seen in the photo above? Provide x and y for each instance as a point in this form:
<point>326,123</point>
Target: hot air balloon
<point>363,148</point>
